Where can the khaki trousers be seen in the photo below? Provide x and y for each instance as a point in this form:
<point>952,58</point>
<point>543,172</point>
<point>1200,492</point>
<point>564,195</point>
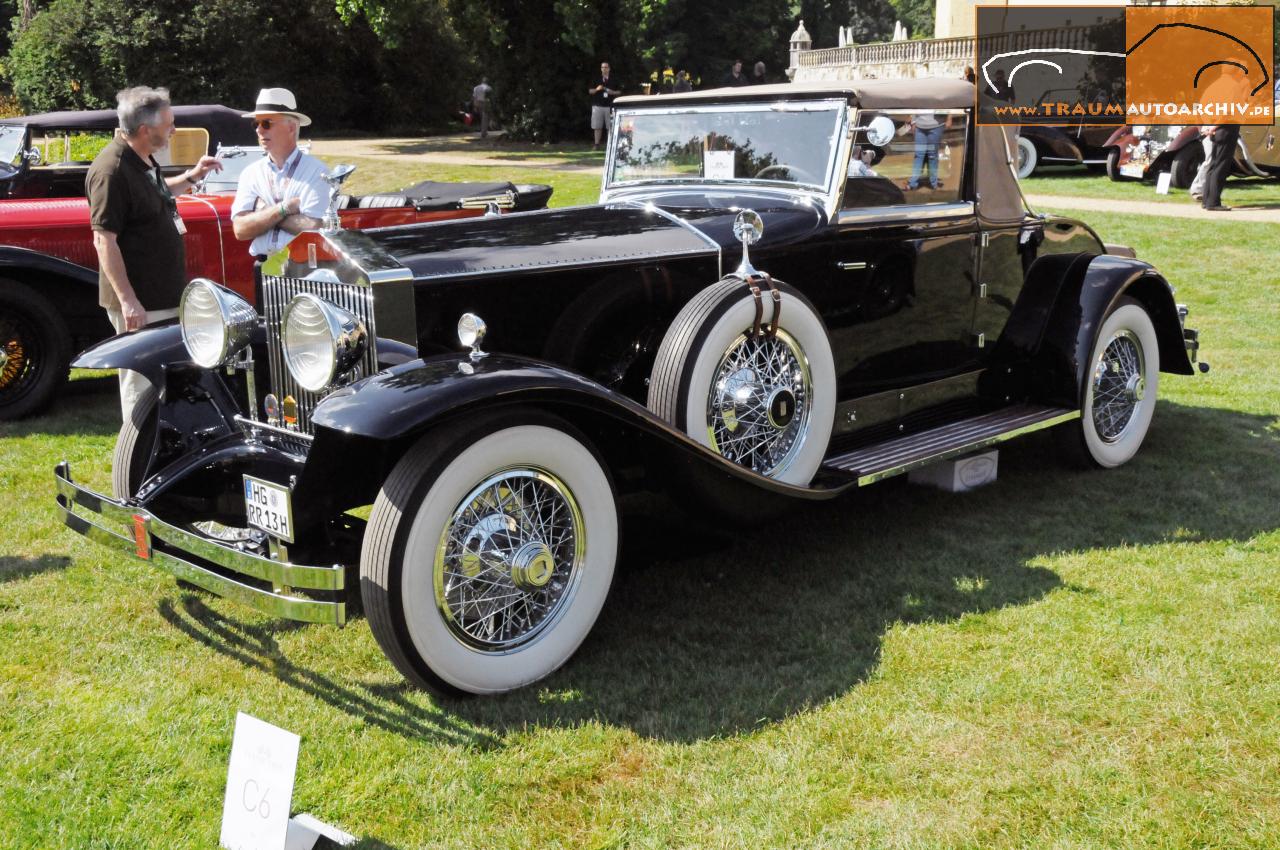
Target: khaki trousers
<point>134,384</point>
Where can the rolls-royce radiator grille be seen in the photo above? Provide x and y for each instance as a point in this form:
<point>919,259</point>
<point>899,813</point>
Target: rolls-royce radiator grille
<point>276,294</point>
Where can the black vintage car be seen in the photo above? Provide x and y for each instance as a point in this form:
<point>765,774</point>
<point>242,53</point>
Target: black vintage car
<point>888,317</point>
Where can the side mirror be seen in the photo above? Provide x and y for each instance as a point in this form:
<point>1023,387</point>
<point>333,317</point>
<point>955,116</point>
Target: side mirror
<point>880,131</point>
<point>32,155</point>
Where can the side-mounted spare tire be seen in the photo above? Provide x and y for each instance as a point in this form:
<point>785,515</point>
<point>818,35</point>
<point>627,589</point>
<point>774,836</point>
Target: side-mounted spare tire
<point>763,400</point>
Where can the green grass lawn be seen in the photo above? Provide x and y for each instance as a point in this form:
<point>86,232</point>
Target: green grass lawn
<point>1081,183</point>
<point>1061,660</point>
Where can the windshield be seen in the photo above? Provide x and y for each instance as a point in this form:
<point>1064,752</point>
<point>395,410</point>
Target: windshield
<point>11,138</point>
<point>787,143</point>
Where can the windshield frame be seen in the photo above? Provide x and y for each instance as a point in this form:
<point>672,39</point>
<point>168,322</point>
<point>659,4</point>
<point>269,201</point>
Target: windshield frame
<point>839,106</point>
<point>14,160</point>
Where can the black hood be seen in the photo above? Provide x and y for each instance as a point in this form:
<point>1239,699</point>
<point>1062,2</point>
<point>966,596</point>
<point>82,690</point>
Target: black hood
<point>600,235</point>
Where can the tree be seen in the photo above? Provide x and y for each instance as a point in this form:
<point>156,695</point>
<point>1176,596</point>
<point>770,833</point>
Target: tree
<point>78,53</point>
<point>918,15</point>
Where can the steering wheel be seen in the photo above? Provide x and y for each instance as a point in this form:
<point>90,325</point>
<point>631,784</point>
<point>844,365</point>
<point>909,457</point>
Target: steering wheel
<point>782,171</point>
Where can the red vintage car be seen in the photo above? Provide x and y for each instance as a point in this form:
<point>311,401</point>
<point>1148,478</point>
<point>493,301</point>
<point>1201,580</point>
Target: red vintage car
<point>49,269</point>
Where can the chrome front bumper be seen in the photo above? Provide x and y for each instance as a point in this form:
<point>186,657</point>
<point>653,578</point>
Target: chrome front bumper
<point>185,555</point>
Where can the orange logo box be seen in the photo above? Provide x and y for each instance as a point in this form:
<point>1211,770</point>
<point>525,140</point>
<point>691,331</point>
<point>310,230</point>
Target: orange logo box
<point>1200,65</point>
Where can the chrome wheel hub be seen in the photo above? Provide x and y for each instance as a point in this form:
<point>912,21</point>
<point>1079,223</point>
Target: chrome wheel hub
<point>509,559</point>
<point>759,400</point>
<point>1119,385</point>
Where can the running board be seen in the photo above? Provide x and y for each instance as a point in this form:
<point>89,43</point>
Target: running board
<point>903,454</point>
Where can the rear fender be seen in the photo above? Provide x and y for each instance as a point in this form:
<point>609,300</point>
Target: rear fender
<point>1087,293</point>
<point>362,430</point>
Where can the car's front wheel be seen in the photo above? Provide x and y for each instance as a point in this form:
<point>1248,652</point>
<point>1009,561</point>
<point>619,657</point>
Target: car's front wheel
<point>133,446</point>
<point>489,554</point>
<point>1113,166</point>
<point>1186,162</point>
<point>1119,394</point>
<point>35,351</point>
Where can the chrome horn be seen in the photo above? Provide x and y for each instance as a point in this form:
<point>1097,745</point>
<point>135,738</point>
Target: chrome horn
<point>748,227</point>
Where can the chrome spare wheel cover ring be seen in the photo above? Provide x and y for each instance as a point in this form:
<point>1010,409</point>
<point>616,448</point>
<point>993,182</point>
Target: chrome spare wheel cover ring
<point>759,402</point>
<point>1119,385</point>
<point>509,560</point>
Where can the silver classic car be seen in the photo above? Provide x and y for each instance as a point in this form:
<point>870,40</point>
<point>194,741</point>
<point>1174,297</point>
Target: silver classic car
<point>784,293</point>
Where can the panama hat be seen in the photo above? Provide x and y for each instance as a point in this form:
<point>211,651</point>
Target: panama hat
<point>277,102</point>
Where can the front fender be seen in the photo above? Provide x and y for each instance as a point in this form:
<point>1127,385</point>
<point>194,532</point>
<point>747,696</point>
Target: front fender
<point>395,407</point>
<point>147,350</point>
<point>24,258</point>
<point>1084,301</point>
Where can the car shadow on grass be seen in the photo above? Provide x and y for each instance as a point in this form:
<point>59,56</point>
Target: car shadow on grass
<point>715,631</point>
<point>89,411</point>
<point>16,569</point>
<point>719,627</point>
<point>255,646</point>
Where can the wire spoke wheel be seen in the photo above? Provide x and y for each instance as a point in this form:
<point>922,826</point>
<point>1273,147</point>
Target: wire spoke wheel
<point>508,559</point>
<point>1119,385</point>
<point>759,402</point>
<point>20,358</point>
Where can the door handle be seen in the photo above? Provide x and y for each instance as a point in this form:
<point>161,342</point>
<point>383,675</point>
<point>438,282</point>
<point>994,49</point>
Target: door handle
<point>850,267</point>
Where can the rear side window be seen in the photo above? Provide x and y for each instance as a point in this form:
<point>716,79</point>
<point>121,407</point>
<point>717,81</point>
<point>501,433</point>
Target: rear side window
<point>922,164</point>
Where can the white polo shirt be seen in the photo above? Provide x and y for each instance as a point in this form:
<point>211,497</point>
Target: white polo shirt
<point>264,185</point>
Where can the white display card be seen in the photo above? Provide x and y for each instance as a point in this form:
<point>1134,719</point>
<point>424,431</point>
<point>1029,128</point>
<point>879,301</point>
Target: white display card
<point>1162,182</point>
<point>255,811</point>
<point>717,165</point>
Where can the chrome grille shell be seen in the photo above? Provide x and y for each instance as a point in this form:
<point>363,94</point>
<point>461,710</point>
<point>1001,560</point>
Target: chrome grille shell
<point>276,294</point>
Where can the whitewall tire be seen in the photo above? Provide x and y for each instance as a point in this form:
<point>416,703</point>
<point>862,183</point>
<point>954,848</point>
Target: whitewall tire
<point>1028,157</point>
<point>489,554</point>
<point>765,402</point>
<point>1121,384</point>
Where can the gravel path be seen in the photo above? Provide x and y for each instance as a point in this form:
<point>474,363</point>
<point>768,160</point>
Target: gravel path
<point>1187,210</point>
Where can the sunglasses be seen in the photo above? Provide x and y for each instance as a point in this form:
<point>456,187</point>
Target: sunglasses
<point>265,123</point>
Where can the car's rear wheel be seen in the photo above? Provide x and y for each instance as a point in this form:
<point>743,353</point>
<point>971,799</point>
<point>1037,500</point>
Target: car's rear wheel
<point>489,554</point>
<point>1027,157</point>
<point>1119,394</point>
<point>35,351</point>
<point>765,401</point>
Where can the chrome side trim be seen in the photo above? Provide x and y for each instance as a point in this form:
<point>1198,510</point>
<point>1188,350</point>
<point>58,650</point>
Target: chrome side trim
<point>904,454</point>
<point>650,207</point>
<point>134,531</point>
<point>906,212</point>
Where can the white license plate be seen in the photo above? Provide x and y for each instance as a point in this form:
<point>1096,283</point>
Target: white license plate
<point>268,507</point>
<point>1130,170</point>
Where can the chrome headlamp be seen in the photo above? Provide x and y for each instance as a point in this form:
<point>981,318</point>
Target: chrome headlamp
<point>321,341</point>
<point>216,323</point>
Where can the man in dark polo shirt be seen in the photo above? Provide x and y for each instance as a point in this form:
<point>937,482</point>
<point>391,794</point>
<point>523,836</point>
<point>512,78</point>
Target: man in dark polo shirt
<point>137,231</point>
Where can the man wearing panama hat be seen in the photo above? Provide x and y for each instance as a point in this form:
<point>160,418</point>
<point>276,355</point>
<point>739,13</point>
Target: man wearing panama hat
<point>284,193</point>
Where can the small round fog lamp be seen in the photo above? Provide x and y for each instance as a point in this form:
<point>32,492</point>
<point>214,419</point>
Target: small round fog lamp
<point>471,330</point>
